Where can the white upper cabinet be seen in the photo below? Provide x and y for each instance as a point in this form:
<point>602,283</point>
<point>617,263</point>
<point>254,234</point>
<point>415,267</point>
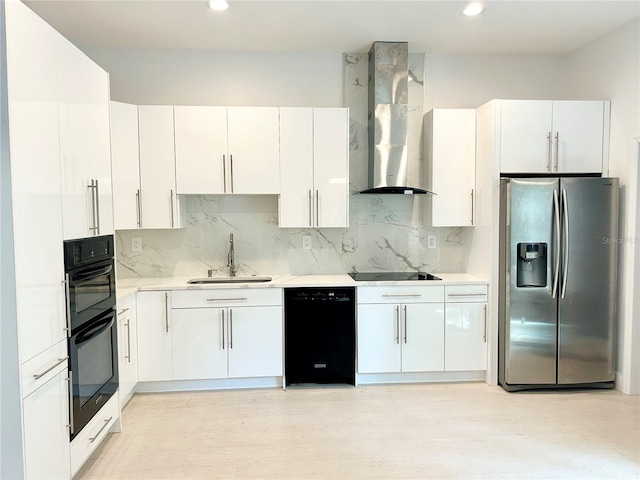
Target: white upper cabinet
<point>159,205</point>
<point>254,150</point>
<point>450,156</point>
<point>201,149</point>
<point>85,148</point>
<point>314,167</point>
<point>551,137</point>
<point>125,165</point>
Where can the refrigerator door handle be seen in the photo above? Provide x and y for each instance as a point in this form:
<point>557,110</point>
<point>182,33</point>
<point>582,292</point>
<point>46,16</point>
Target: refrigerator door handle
<point>556,243</point>
<point>565,246</point>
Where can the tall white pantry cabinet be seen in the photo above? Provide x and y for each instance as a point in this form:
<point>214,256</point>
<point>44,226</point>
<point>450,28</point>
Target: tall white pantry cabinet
<point>40,72</point>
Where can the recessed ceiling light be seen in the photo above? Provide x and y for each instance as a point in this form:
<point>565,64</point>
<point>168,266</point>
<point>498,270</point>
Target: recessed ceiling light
<point>218,4</point>
<point>473,9</point>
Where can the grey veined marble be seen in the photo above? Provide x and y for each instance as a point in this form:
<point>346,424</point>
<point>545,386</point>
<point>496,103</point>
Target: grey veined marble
<point>387,232</point>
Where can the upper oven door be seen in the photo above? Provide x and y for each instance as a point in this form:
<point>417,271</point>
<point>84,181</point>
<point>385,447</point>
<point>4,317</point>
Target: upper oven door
<point>92,291</point>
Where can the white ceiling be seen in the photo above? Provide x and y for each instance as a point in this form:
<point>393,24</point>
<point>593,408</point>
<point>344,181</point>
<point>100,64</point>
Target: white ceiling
<point>516,27</point>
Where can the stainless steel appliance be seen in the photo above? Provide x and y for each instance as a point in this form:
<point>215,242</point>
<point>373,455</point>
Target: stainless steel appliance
<point>320,335</point>
<point>557,288</point>
<point>91,318</point>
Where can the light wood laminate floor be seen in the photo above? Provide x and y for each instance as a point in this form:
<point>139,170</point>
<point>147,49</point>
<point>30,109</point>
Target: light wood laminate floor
<point>441,431</point>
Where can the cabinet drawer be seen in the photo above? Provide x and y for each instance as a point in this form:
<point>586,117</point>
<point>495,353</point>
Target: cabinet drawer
<point>93,433</point>
<point>466,293</point>
<point>45,366</point>
<point>226,296</point>
<point>400,294</point>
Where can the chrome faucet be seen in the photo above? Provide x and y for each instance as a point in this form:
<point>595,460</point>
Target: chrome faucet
<point>230,260</point>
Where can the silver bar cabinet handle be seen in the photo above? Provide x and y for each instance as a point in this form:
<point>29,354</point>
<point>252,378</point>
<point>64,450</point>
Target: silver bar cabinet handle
<point>557,150</point>
<point>317,208</point>
<point>484,336</point>
<point>60,360</point>
<point>310,209</point>
<point>480,294</point>
<point>67,295</point>
<point>128,355</point>
<point>72,427</point>
<point>106,422</point>
<point>231,170</point>
<point>222,322</point>
<point>472,206</point>
<point>123,310</point>
<point>550,154</point>
<point>401,295</point>
<point>565,221</point>
<point>398,324</point>
<point>172,222</point>
<point>224,173</point>
<point>225,299</point>
<point>230,328</point>
<point>556,245</point>
<point>97,194</point>
<point>138,211</point>
<point>93,207</point>
<point>166,312</point>
<point>405,324</point>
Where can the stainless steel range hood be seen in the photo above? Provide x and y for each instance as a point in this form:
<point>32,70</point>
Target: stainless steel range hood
<point>388,119</point>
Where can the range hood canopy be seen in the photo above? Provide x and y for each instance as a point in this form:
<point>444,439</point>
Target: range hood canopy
<point>388,119</point>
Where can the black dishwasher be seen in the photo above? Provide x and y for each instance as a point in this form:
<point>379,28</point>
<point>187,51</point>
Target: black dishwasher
<point>320,335</point>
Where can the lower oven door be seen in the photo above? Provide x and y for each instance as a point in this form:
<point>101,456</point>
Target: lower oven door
<point>93,365</point>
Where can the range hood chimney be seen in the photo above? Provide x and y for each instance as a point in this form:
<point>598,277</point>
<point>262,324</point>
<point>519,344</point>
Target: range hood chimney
<point>388,119</point>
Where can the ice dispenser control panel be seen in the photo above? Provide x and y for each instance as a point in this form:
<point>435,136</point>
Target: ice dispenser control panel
<point>532,265</point>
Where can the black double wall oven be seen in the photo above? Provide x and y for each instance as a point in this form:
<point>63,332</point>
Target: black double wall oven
<point>91,324</point>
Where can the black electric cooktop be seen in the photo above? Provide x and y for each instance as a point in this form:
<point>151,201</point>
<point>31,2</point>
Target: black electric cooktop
<point>391,276</point>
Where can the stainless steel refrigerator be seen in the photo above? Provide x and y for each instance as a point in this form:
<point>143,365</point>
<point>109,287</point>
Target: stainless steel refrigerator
<point>558,282</point>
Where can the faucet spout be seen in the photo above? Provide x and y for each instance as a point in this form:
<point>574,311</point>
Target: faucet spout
<point>230,258</point>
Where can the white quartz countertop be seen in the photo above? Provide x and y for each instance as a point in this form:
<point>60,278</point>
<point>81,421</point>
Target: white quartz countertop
<point>127,286</point>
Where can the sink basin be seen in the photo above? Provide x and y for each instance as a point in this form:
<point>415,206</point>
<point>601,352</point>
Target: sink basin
<point>207,280</point>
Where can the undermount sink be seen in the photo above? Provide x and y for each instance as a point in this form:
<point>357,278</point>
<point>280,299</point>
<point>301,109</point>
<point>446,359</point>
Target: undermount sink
<point>252,279</point>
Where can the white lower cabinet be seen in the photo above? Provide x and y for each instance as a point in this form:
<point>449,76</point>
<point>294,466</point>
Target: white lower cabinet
<point>400,337</point>
<point>127,349</point>
<point>153,311</point>
<point>233,342</point>
<point>46,431</point>
<point>465,328</point>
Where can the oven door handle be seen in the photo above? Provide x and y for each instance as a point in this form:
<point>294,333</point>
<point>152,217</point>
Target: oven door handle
<point>95,272</point>
<point>95,330</point>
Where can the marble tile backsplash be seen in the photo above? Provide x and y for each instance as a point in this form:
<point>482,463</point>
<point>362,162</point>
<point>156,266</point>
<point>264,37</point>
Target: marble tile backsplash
<point>386,232</point>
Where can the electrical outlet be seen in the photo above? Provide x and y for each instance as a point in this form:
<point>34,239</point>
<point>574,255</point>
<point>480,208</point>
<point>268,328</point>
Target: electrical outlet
<point>136,244</point>
<point>306,242</point>
<point>431,241</point>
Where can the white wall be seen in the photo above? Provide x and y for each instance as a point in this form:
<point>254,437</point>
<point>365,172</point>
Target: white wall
<point>609,68</point>
<point>181,77</point>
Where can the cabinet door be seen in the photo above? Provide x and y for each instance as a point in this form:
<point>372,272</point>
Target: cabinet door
<point>296,168</point>
<point>84,144</point>
<point>578,128</point>
<point>254,152</point>
<point>379,338</point>
<point>35,179</point>
<point>422,337</point>
<point>157,167</point>
<point>255,342</point>
<point>465,336</point>
<point>201,149</point>
<point>450,146</point>
<point>46,435</point>
<point>154,336</point>
<point>525,130</point>
<point>125,165</point>
<point>331,166</point>
<point>199,349</point>
<point>127,350</point>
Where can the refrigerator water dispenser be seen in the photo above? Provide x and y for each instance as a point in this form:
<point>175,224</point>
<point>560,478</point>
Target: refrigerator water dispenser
<point>532,265</point>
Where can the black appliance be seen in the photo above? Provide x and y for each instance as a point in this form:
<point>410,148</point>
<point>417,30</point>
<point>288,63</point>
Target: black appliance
<point>91,318</point>
<point>391,276</point>
<point>320,335</point>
